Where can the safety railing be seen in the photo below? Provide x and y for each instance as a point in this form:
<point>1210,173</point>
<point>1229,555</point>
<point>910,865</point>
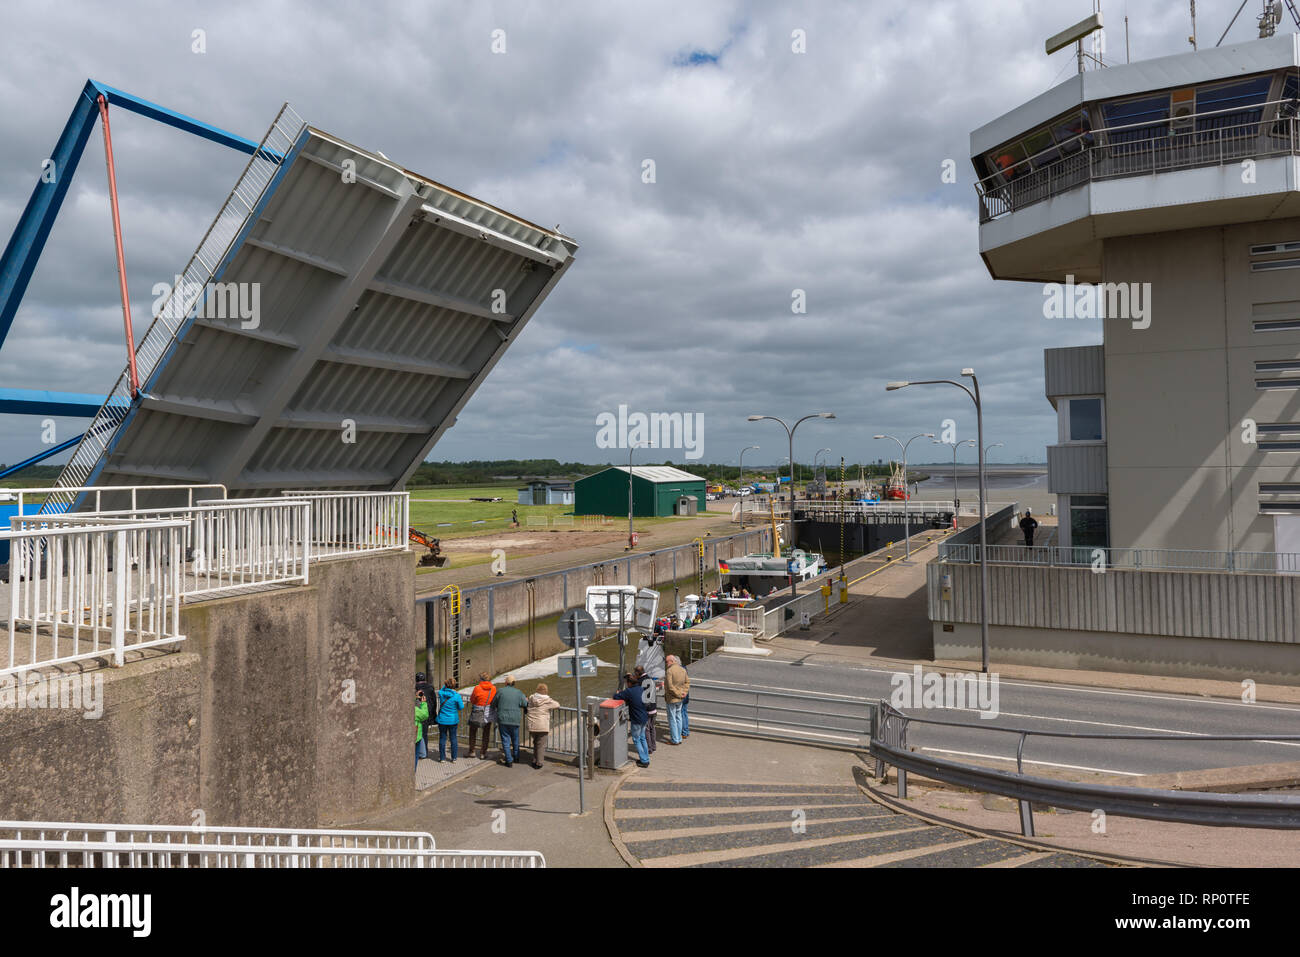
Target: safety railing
<point>561,739</point>
<point>124,498</point>
<point>751,620</point>
<point>1133,559</point>
<point>888,745</point>
<point>76,592</point>
<point>833,721</point>
<point>344,523</point>
<point>187,295</point>
<point>228,545</point>
<point>44,844</point>
<point>1211,138</point>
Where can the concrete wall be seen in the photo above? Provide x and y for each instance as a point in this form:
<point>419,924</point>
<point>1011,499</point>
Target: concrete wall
<point>1179,474</point>
<point>250,722</point>
<point>1128,653</point>
<point>1192,624</point>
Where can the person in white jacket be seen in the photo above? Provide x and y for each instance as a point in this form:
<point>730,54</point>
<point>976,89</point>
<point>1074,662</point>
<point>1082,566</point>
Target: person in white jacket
<point>540,706</point>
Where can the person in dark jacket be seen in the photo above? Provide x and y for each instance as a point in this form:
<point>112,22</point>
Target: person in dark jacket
<point>1027,525</point>
<point>650,695</point>
<point>511,705</point>
<point>634,697</point>
<point>449,705</point>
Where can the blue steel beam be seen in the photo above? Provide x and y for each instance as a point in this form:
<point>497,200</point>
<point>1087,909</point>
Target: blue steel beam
<point>40,457</point>
<point>33,229</point>
<point>40,402</point>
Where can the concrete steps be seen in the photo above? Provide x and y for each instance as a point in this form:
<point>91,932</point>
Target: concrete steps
<point>728,824</point>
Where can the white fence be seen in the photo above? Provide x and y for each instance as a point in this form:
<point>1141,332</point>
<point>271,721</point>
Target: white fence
<point>82,585</point>
<point>84,592</point>
<point>45,844</point>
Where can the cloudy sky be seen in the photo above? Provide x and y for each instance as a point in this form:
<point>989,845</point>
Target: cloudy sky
<point>774,171</point>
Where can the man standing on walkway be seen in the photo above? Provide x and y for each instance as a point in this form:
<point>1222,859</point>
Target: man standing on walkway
<point>1027,525</point>
<point>634,697</point>
<point>649,695</point>
<point>677,685</point>
<point>510,705</point>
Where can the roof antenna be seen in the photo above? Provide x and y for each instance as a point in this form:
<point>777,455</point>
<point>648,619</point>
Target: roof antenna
<point>1075,35</point>
<point>1192,38</point>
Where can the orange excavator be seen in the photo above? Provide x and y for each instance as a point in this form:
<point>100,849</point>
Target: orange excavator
<point>434,554</point>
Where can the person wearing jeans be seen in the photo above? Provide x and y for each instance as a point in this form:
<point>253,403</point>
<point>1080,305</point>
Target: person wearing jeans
<point>677,685</point>
<point>511,705</point>
<point>634,697</point>
<point>449,705</point>
<point>686,715</point>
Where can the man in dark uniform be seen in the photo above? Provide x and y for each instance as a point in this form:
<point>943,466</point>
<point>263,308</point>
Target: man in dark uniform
<point>1027,525</point>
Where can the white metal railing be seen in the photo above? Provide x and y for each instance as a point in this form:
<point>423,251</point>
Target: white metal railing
<point>96,494</point>
<point>751,620</point>
<point>1211,138</point>
<point>48,844</point>
<point>162,333</point>
<point>1173,559</point>
<point>230,544</point>
<point>78,592</point>
<point>343,523</point>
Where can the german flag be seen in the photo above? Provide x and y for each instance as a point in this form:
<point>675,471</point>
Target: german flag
<point>723,567</point>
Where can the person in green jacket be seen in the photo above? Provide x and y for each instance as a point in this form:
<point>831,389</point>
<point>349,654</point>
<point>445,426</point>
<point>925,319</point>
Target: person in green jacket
<point>510,704</point>
<point>421,716</point>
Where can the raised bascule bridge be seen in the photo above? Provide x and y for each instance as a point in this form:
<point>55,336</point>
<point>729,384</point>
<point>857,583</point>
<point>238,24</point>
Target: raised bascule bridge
<point>334,319</point>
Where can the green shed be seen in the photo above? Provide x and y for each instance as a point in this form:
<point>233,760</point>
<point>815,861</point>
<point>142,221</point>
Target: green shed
<point>657,490</point>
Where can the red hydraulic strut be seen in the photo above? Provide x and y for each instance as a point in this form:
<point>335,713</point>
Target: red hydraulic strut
<point>117,238</point>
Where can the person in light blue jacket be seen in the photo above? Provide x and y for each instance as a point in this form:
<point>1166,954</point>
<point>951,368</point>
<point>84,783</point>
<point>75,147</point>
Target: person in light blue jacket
<point>450,704</point>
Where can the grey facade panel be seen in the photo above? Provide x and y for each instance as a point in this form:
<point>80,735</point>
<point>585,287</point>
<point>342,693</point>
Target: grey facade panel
<point>1177,604</point>
<point>1076,469</point>
<point>1080,370</point>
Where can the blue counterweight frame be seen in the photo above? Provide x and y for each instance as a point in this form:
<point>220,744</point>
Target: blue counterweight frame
<point>28,240</point>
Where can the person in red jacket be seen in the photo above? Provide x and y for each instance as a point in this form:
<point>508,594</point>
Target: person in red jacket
<point>480,714</point>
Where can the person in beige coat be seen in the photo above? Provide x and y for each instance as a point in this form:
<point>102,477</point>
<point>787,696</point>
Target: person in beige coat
<point>677,685</point>
<point>540,706</point>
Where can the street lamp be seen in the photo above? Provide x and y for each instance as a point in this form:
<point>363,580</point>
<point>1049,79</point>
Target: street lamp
<point>907,525</point>
<point>974,393</point>
<point>740,482</point>
<point>995,445</point>
<point>631,446</point>
<point>815,456</point>
<point>789,431</point>
<point>955,445</point>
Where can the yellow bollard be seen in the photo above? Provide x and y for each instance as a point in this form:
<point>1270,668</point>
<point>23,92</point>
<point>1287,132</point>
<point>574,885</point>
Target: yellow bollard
<point>826,596</point>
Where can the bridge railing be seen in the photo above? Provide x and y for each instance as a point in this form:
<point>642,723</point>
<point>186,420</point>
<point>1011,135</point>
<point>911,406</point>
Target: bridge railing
<point>888,745</point>
<point>77,592</point>
<point>44,844</point>
<point>343,523</point>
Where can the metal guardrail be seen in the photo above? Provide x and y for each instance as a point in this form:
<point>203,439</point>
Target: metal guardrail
<point>97,492</point>
<point>834,721</point>
<point>888,745</point>
<point>45,844</point>
<point>77,593</point>
<point>561,739</point>
<point>1138,149</point>
<point>83,585</point>
<point>1134,559</point>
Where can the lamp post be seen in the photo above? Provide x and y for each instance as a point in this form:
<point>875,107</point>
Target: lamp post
<point>907,525</point>
<point>955,446</point>
<point>789,431</point>
<point>740,482</point>
<point>815,457</point>
<point>974,393</point>
<point>631,446</point>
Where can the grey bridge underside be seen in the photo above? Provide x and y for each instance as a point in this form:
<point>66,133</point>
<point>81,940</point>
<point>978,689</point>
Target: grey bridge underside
<point>376,309</point>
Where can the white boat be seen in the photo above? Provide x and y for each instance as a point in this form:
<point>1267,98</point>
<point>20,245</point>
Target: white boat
<point>761,571</point>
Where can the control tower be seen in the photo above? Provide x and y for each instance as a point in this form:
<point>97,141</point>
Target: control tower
<point>1163,195</point>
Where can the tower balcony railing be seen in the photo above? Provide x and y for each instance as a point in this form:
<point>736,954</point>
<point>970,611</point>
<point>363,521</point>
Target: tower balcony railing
<point>1212,138</point>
